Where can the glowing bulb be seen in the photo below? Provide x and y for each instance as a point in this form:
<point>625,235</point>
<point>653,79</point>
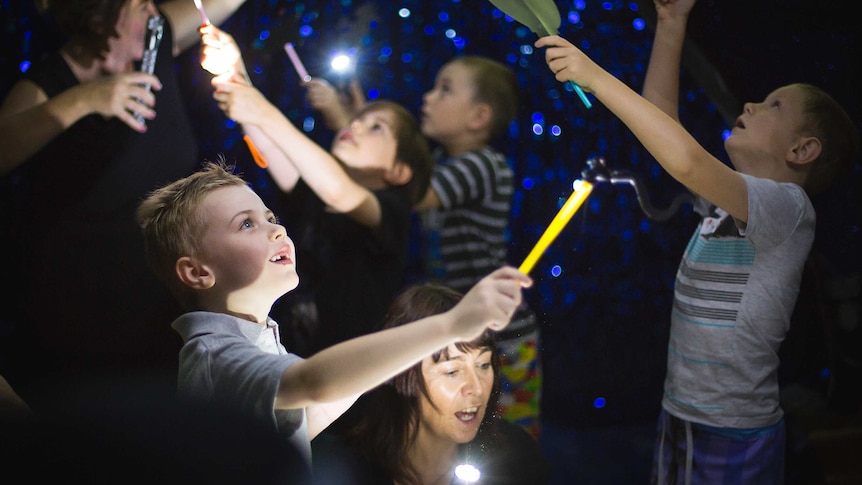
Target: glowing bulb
<point>467,473</point>
<point>340,62</point>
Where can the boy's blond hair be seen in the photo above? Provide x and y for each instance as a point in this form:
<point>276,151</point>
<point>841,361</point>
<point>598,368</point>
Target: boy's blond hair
<point>170,220</point>
<point>496,85</point>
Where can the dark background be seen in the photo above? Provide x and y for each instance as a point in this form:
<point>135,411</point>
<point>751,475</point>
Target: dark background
<point>603,289</point>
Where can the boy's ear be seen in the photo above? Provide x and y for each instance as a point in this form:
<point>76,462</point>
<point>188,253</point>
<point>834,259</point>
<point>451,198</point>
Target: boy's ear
<point>399,174</point>
<point>804,151</point>
<point>480,116</point>
<point>194,274</point>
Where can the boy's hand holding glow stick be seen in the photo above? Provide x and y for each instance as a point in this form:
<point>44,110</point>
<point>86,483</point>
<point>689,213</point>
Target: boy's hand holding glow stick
<point>581,189</point>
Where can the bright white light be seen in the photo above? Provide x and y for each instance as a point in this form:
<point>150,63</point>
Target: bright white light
<point>468,473</point>
<point>340,62</point>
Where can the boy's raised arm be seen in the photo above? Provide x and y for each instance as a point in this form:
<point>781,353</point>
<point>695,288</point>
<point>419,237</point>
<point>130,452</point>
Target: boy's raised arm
<point>661,84</point>
<point>317,167</point>
<point>671,145</point>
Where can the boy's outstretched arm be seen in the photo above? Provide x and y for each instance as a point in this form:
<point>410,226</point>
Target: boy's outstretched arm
<point>673,147</point>
<point>661,84</point>
<point>317,167</point>
<point>360,364</point>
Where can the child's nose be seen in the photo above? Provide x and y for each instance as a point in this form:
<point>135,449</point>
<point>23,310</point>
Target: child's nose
<point>278,232</point>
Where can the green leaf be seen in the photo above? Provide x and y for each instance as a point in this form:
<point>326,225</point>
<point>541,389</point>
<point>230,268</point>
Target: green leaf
<point>518,10</point>
<point>547,13</point>
<point>540,16</point>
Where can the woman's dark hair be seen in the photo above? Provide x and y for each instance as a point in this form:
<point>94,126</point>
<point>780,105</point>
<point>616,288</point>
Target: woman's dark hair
<point>386,434</point>
<point>90,22</point>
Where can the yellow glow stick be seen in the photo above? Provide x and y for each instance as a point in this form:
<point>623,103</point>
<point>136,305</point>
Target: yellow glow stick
<point>581,189</point>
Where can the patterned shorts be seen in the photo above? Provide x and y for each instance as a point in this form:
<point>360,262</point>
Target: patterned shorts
<point>688,452</point>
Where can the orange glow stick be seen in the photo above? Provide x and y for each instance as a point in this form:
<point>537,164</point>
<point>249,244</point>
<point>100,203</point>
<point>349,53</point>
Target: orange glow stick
<point>581,189</point>
<point>255,153</point>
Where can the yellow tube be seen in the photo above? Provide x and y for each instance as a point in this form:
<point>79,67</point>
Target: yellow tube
<point>581,189</point>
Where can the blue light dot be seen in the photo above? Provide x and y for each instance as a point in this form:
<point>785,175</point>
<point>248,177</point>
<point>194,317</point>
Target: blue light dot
<point>573,17</point>
<point>373,94</point>
<point>406,58</point>
<point>450,33</point>
<point>264,34</point>
<point>527,183</point>
<point>526,49</point>
<point>537,129</point>
<point>459,42</point>
<point>633,6</point>
<point>628,235</point>
<point>645,225</point>
<point>308,124</point>
<point>580,4</point>
<point>429,29</point>
<point>229,123</point>
<point>638,24</point>
<point>599,403</point>
<point>404,13</point>
<point>725,135</point>
<point>386,51</point>
<point>607,5</point>
<point>825,372</point>
<point>443,16</point>
<point>24,66</point>
<point>305,31</point>
<point>556,130</point>
<point>537,117</point>
<point>556,271</point>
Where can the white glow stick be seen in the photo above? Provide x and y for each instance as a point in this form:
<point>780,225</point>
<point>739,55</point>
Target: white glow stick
<point>204,18</point>
<point>297,64</point>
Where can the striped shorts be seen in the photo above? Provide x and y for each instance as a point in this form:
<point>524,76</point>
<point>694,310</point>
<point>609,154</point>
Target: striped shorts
<point>691,453</point>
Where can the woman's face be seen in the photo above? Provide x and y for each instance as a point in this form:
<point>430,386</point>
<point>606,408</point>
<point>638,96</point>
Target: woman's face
<point>459,387</point>
<point>132,29</point>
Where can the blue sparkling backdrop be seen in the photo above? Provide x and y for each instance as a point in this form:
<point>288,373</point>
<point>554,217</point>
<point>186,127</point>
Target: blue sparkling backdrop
<point>603,289</point>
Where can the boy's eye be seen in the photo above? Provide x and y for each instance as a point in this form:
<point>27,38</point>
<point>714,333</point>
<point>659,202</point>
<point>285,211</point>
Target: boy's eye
<point>485,365</point>
<point>273,219</point>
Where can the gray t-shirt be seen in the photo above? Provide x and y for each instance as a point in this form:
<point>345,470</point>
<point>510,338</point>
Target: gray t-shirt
<point>735,291</point>
<point>238,364</point>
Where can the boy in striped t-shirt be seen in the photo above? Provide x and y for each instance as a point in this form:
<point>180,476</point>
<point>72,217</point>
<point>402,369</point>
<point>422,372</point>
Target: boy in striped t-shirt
<point>465,211</point>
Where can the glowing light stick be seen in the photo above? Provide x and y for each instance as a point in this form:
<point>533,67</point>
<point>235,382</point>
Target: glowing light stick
<point>255,153</point>
<point>204,19</point>
<point>581,189</point>
<point>297,64</point>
